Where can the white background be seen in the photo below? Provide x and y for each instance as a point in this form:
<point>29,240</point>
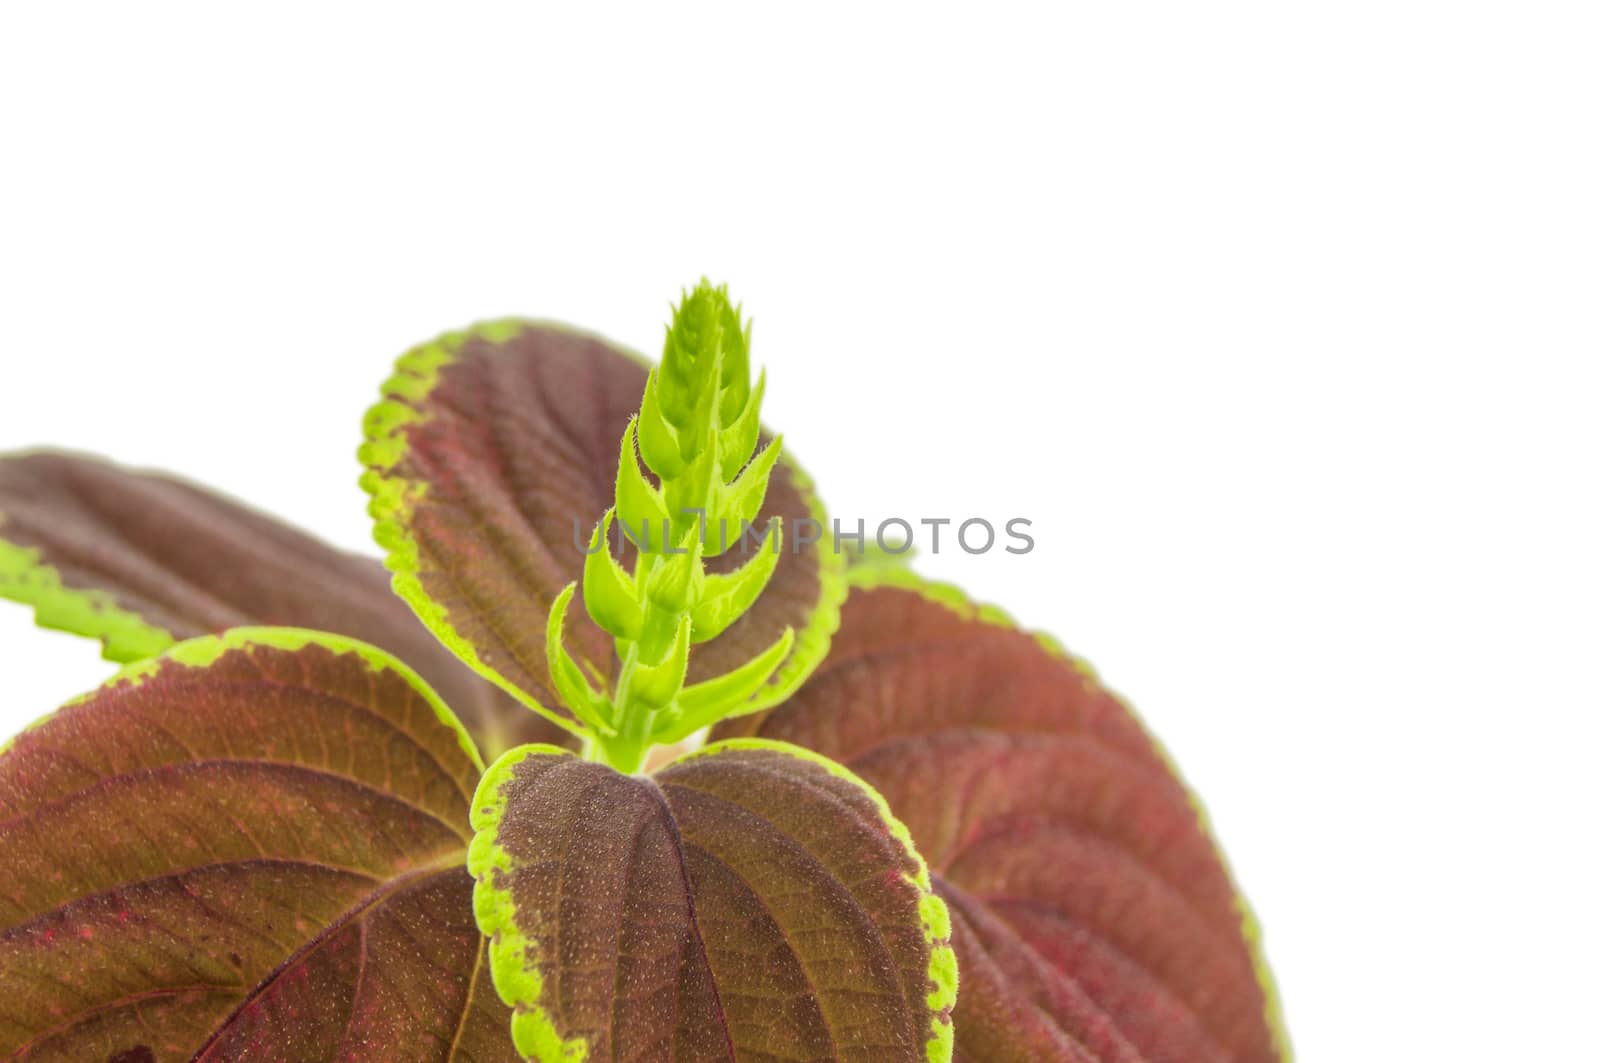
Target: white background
<point>1280,323</point>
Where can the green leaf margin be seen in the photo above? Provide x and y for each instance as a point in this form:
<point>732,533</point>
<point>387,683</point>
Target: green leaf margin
<point>27,578</point>
<point>811,644</point>
<point>518,983</point>
<point>868,577</point>
<point>206,649</point>
<point>521,988</point>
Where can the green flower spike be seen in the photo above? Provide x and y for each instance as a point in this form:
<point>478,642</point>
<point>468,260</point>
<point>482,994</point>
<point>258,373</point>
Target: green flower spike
<point>697,431</point>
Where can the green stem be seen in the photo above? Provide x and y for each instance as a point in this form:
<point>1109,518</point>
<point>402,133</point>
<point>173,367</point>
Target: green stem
<point>626,751</point>
<point>680,437</point>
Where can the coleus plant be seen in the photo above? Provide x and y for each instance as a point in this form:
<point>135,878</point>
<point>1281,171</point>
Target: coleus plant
<point>273,836</point>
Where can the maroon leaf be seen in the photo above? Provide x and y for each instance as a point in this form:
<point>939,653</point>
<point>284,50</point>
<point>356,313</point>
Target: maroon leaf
<point>752,902</point>
<point>141,560</point>
<point>252,848</point>
<point>1093,916</point>
<point>492,457</point>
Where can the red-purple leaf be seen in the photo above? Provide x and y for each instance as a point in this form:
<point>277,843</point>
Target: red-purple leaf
<point>749,902</point>
<point>251,848</point>
<point>1094,918</point>
<point>140,560</point>
<point>491,459</point>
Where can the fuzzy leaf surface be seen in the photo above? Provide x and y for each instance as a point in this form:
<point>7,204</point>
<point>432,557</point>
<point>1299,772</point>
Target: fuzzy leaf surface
<point>140,561</point>
<point>749,902</point>
<point>488,446</point>
<point>251,848</point>
<point>1093,916</point>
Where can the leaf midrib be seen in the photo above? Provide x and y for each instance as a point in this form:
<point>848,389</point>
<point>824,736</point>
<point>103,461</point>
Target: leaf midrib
<point>879,941</point>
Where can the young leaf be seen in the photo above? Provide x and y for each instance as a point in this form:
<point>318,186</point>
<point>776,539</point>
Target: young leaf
<point>1092,911</point>
<point>140,560</point>
<point>710,700</point>
<point>489,445</point>
<point>639,504</point>
<point>742,503</point>
<point>655,685</point>
<point>251,848</point>
<point>751,901</point>
<point>673,579</point>
<point>727,596</point>
<point>658,440</point>
<point>609,591</point>
<point>740,436</point>
<point>577,694</point>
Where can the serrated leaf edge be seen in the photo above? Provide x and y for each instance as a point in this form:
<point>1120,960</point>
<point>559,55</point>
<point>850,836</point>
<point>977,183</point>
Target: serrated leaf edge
<point>943,977</point>
<point>811,643</point>
<point>124,636</point>
<point>207,649</point>
<point>958,601</point>
<point>392,499</point>
<point>516,980</point>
